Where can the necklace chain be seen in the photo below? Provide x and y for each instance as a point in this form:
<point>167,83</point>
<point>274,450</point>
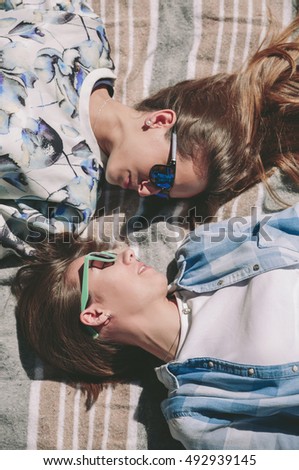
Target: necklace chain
<point>99,111</point>
<point>186,310</point>
<point>169,350</point>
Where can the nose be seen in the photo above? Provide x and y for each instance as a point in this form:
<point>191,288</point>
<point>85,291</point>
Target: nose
<point>128,256</point>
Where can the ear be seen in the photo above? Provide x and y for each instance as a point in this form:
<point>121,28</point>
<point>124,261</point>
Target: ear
<point>95,316</point>
<point>161,118</point>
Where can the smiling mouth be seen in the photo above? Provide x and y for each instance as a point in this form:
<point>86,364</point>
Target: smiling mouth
<point>143,268</point>
<point>129,184</point>
<point>126,183</point>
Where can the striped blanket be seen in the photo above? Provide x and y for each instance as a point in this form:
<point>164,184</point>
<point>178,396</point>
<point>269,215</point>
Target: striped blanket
<point>154,43</point>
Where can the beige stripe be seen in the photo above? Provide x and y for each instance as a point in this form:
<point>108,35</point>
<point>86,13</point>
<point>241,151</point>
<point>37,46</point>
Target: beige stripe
<point>132,428</point>
<point>91,428</point>
<point>76,420</point>
<point>141,12</point>
<point>48,418</point>
<point>151,46</point>
<point>61,416</point>
<point>197,33</point>
<point>116,56</point>
<point>130,40</point>
<point>82,433</point>
<point>248,30</point>
<point>219,37</point>
<point>99,412</point>
<point>69,418</point>
<point>130,51</point>
<point>119,417</point>
<point>34,405</point>
<point>234,36</point>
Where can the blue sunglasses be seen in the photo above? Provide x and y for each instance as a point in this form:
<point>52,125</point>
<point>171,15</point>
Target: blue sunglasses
<point>162,176</point>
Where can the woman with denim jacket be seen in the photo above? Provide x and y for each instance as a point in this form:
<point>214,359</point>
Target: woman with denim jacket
<point>224,332</point>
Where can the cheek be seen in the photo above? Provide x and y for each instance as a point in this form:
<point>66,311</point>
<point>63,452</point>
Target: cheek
<point>111,169</point>
<point>121,292</point>
<point>116,170</point>
<point>189,181</point>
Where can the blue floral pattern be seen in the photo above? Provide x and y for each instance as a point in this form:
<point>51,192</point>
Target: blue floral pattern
<point>49,170</point>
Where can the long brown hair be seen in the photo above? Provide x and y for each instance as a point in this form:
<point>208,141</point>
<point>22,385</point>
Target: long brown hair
<point>243,124</point>
<point>48,309</point>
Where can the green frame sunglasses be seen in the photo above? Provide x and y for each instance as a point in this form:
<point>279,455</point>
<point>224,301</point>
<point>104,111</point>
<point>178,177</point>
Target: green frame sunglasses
<point>104,257</point>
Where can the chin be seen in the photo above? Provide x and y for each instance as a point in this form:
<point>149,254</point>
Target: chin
<point>163,282</point>
<point>157,278</point>
<point>181,194</point>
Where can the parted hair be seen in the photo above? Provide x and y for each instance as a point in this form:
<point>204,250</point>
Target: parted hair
<point>47,313</point>
<point>244,124</point>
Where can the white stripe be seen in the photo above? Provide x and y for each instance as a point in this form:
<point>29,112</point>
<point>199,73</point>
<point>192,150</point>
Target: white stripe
<point>98,227</point>
<point>34,404</point>
<point>114,219</point>
<point>61,416</point>
<point>179,209</point>
<point>130,49</point>
<point>76,417</point>
<point>260,199</point>
<point>132,431</point>
<point>116,53</point>
<point>233,212</point>
<point>197,23</point>
<point>91,421</point>
<point>248,30</point>
<point>106,417</point>
<point>136,248</point>
<point>234,37</point>
<point>264,21</point>
<point>219,37</point>
<point>219,214</point>
<point>179,212</point>
<point>119,218</point>
<point>151,46</point>
<point>107,199</point>
<point>103,10</point>
<point>287,12</point>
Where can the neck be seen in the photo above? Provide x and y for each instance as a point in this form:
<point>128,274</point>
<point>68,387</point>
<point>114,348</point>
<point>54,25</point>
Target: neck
<point>111,121</point>
<point>158,332</point>
<point>100,117</point>
<point>167,337</point>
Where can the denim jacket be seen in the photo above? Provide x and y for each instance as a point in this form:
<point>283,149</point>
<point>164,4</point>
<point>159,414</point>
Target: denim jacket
<point>215,404</point>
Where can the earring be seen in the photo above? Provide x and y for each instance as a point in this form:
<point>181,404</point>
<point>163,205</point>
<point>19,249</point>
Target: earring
<point>108,315</point>
<point>148,122</point>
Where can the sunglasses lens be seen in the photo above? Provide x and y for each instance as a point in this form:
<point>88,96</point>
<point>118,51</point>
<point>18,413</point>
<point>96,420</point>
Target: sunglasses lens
<point>102,257</point>
<point>105,255</point>
<point>162,176</point>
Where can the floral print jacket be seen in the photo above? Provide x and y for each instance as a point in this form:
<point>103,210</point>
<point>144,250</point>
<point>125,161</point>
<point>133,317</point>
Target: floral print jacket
<point>51,56</point>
